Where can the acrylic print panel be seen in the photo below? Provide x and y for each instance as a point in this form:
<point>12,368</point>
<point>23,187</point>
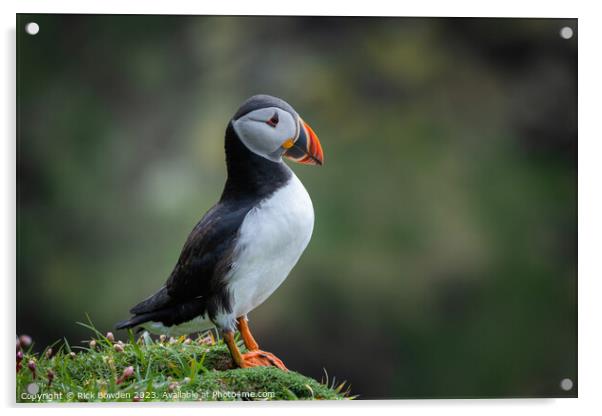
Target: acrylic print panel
<point>443,257</point>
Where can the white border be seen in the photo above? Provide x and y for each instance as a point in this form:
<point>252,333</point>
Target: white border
<point>590,183</point>
<point>506,8</point>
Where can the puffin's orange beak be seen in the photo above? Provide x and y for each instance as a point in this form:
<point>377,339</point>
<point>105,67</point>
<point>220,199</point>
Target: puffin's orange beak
<point>307,148</point>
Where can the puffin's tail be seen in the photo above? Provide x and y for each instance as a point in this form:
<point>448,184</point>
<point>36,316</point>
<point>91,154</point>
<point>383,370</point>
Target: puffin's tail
<point>161,307</point>
<point>134,321</point>
<point>152,308</point>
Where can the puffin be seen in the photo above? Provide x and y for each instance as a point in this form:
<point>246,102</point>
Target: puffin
<point>246,245</point>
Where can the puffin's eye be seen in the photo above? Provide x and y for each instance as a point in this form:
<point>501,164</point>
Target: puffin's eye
<point>273,121</point>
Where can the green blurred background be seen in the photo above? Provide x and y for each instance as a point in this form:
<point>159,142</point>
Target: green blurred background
<point>444,256</point>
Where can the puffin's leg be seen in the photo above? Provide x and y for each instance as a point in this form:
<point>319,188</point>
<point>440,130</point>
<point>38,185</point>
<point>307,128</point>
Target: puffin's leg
<point>247,337</point>
<point>255,354</point>
<point>234,351</point>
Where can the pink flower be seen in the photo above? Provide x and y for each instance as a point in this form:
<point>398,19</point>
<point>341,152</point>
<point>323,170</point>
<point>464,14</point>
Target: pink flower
<point>127,373</point>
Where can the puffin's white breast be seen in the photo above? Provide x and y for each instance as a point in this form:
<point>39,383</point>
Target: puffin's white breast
<point>272,237</point>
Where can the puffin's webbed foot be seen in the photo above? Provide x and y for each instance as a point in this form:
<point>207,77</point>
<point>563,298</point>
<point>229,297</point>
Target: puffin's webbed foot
<point>259,358</point>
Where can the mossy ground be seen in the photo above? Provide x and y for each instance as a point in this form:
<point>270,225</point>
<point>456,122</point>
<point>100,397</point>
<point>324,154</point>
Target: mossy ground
<point>157,370</point>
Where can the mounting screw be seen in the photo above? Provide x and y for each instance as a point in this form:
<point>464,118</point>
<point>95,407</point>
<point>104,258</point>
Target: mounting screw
<point>566,32</point>
<point>566,384</point>
<point>32,28</point>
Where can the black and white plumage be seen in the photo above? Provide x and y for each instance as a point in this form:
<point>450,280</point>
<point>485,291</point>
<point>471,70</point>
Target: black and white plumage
<point>246,245</point>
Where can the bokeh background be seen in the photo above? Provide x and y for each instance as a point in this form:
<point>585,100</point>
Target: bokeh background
<point>444,255</point>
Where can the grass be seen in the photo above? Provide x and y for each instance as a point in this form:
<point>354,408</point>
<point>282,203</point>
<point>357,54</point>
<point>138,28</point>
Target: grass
<point>180,369</point>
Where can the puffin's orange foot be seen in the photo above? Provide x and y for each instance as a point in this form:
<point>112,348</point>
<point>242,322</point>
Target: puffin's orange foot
<point>259,358</point>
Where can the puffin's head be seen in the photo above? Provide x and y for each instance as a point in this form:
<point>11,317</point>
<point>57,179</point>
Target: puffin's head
<point>271,128</point>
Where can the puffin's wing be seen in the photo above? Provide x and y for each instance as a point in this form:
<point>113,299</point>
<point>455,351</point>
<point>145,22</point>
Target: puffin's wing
<point>197,283</point>
<point>207,254</point>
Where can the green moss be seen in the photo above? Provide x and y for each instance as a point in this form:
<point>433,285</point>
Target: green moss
<point>173,370</point>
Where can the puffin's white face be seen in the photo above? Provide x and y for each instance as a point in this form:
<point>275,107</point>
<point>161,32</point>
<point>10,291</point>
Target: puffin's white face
<point>268,132</point>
